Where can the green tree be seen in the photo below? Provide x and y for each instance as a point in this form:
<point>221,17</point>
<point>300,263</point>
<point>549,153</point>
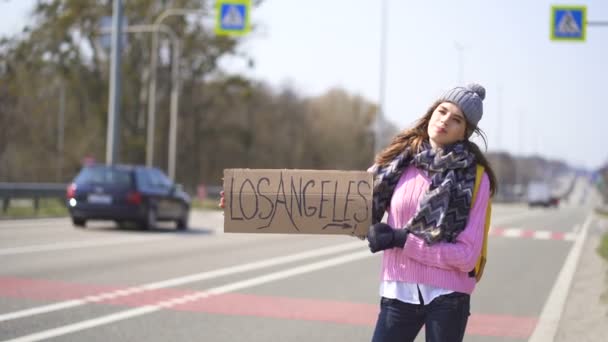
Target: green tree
<point>225,120</point>
<point>62,49</point>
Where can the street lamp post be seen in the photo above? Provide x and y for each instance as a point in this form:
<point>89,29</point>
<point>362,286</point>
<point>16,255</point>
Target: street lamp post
<point>498,117</point>
<point>460,49</point>
<point>114,96</point>
<point>174,94</point>
<point>175,80</point>
<point>174,105</point>
<point>61,130</point>
<point>381,87</point>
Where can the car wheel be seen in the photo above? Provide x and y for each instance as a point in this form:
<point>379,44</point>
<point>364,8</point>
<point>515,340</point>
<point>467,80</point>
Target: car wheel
<point>78,222</point>
<point>150,222</point>
<point>182,223</point>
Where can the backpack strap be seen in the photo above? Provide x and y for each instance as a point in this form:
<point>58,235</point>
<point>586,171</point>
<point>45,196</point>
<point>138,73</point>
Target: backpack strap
<point>481,262</point>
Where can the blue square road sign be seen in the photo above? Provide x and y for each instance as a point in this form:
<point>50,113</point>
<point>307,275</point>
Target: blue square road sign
<point>233,16</point>
<point>568,23</point>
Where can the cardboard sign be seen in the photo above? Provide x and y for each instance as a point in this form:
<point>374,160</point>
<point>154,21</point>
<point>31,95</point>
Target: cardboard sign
<point>297,201</point>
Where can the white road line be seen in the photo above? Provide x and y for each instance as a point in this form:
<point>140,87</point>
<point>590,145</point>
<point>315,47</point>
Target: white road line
<point>185,280</point>
<point>255,281</point>
<point>87,324</point>
<point>34,223</point>
<point>543,235</point>
<point>547,325</point>
<point>255,265</point>
<point>77,244</point>
<point>41,309</point>
<point>515,233</point>
<point>512,233</point>
<point>521,215</point>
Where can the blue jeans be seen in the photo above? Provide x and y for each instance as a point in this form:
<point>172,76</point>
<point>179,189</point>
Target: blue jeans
<point>445,319</point>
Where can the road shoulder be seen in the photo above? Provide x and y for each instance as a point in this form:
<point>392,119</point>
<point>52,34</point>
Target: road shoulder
<point>585,317</point>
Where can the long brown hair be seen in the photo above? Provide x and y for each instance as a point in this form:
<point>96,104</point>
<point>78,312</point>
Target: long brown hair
<point>417,134</point>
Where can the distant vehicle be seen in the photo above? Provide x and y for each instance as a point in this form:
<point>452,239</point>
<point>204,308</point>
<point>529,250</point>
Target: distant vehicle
<point>539,194</point>
<point>124,193</point>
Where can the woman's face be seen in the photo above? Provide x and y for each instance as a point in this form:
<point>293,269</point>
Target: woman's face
<point>447,125</point>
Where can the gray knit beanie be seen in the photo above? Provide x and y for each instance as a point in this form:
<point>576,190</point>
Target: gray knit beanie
<point>468,99</point>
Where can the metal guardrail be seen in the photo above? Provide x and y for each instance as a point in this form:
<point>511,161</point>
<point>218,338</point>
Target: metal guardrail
<point>35,191</point>
<point>213,191</point>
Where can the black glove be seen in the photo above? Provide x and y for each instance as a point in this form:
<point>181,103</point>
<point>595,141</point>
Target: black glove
<point>381,236</point>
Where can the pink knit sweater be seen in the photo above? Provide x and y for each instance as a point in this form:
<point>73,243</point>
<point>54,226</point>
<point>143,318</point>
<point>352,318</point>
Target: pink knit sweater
<point>445,265</point>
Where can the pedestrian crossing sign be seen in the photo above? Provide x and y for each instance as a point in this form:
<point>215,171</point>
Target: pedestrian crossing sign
<point>232,17</point>
<point>568,23</point>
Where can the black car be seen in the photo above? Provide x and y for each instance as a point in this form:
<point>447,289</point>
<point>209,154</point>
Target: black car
<point>125,193</point>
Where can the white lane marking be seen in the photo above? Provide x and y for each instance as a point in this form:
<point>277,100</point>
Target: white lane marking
<point>548,321</point>
<point>251,282</point>
<point>186,279</point>
<point>543,235</point>
<point>255,281</point>
<point>521,215</point>
<point>38,223</point>
<point>86,324</point>
<point>512,232</point>
<point>33,223</point>
<point>41,309</point>
<point>77,245</point>
<point>516,233</point>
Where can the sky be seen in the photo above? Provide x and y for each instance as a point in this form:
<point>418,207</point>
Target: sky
<point>542,97</point>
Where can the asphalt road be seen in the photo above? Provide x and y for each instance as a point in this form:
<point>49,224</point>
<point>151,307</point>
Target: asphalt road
<point>101,283</point>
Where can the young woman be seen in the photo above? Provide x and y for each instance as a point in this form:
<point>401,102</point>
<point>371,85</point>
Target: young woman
<point>432,240</point>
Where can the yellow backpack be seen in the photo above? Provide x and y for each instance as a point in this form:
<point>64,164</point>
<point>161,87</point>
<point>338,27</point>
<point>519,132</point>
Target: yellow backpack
<point>481,262</point>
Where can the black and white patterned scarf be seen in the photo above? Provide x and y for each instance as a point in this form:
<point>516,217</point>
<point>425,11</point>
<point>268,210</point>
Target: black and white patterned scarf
<point>444,208</point>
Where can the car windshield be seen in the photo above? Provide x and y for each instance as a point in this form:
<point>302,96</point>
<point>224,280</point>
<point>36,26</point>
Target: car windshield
<point>99,175</point>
